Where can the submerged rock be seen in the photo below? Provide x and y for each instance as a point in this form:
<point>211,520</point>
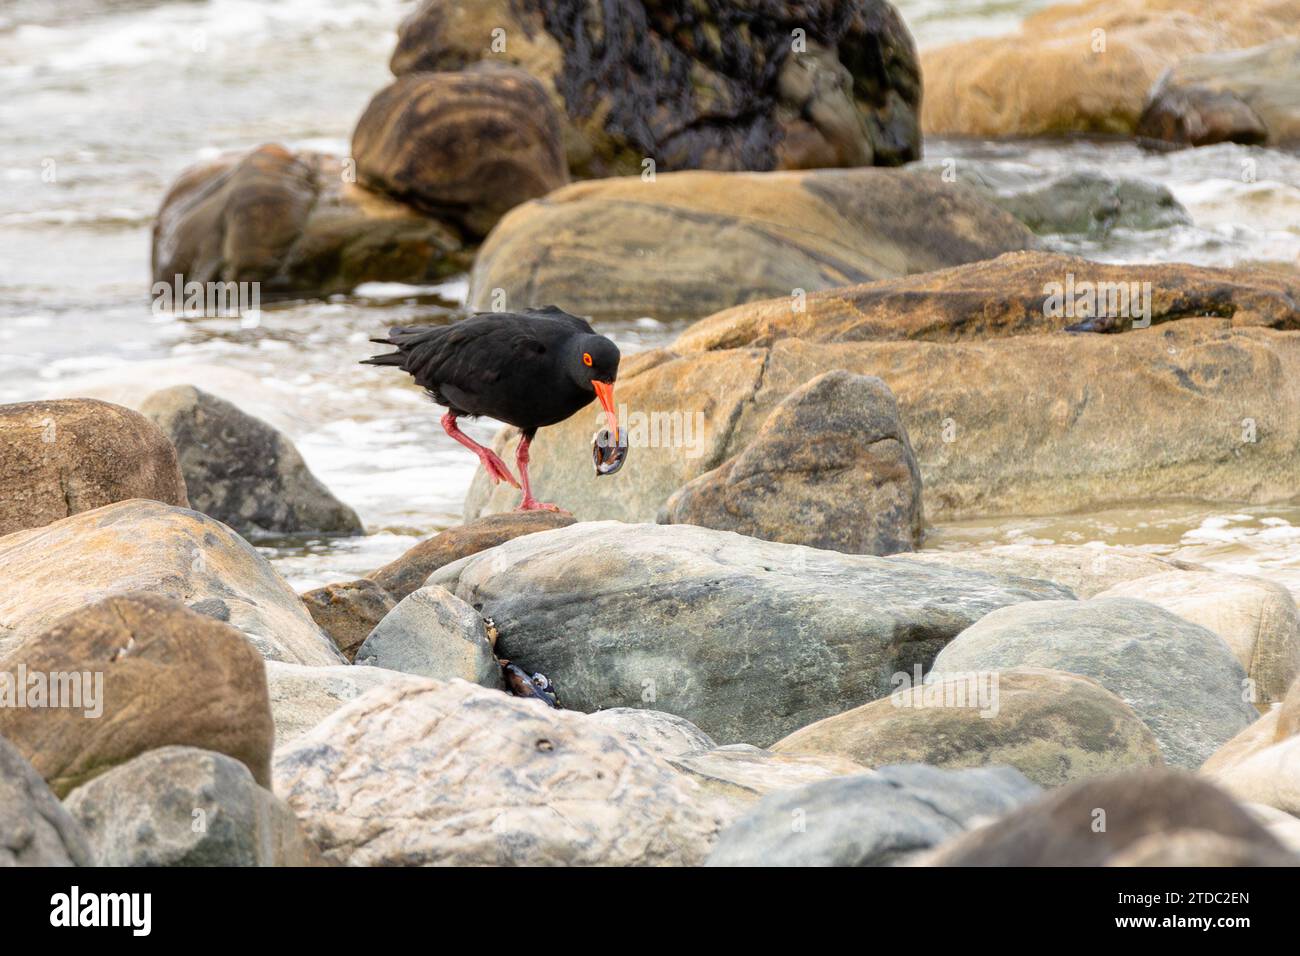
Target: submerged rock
<point>148,546</point>
<point>64,457</point>
<point>458,775</point>
<point>830,468</point>
<point>1180,678</point>
<point>35,829</point>
<point>747,639</point>
<point>243,472</point>
<point>183,806</point>
<point>140,672</point>
<point>714,86</point>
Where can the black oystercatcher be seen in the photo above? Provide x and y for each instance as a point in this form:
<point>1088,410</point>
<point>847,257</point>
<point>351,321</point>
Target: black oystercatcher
<point>529,369</point>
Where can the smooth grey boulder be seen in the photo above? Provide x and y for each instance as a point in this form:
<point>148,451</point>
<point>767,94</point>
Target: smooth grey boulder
<point>1179,677</point>
<point>747,639</point>
<point>870,819</point>
<point>661,733</point>
<point>431,633</point>
<point>241,471</point>
<point>182,806</point>
<point>35,829</point>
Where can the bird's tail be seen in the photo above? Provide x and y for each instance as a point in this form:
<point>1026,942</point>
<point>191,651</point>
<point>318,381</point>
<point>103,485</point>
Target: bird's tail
<point>403,338</point>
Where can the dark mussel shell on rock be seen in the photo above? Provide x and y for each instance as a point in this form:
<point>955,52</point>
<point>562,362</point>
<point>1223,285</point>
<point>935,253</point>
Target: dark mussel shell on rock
<point>519,683</point>
<point>607,454</point>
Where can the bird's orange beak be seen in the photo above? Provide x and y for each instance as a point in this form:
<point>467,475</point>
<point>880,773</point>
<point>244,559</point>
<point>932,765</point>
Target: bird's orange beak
<point>605,393</point>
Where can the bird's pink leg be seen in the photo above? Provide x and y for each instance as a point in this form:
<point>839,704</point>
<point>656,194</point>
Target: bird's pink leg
<point>530,503</point>
<point>492,464</point>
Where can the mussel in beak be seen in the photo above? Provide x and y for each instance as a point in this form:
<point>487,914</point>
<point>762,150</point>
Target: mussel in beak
<point>607,453</point>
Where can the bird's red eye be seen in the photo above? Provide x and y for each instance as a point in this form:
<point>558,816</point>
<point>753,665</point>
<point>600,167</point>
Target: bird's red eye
<point>586,359</point>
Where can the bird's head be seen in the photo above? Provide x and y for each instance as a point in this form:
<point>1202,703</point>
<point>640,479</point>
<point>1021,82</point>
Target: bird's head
<point>594,366</point>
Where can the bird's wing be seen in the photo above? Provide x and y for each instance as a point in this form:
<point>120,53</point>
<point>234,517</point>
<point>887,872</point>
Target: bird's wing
<point>472,355</point>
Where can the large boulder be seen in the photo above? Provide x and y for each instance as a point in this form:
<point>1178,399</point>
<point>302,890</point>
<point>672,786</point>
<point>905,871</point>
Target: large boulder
<point>455,774</point>
<point>1051,726</point>
<point>1181,679</point>
<point>64,457</point>
<point>432,633</point>
<point>1257,618</point>
<point>712,86</point>
<point>1152,817</point>
<point>302,697</point>
<point>1083,67</point>
<point>739,775</point>
<point>241,471</point>
<point>830,468</point>
<point>183,806</point>
<point>684,245</point>
<point>872,819</point>
<point>408,573</point>
<point>128,675</point>
<point>747,639</point>
<point>657,731</point>
<point>1241,96</point>
<point>295,223</point>
<point>960,349</point>
<point>465,146</point>
<point>147,546</point>
<point>35,829</point>
<point>1270,776</point>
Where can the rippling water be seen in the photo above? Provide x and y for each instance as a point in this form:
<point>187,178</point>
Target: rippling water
<point>103,103</point>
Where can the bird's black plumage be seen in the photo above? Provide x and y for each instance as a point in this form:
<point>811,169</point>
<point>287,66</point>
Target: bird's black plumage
<point>526,369</point>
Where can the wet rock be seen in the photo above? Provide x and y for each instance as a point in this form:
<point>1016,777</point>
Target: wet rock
<point>830,468</point>
<point>409,572</point>
<point>657,731</point>
<point>464,146</point>
<point>1152,817</point>
<point>713,87</point>
<point>1051,726</point>
<point>183,806</point>
<point>432,633</point>
<point>747,639</point>
<point>454,774</point>
<point>1082,67</point>
<point>1247,96</point>
<point>147,546</point>
<point>35,829</point>
<point>243,472</point>
<point>1255,617</point>
<point>687,244</point>
<point>348,611</point>
<point>1180,678</point>
<point>872,819</point>
<point>1089,203</point>
<point>64,457</point>
<point>302,697</point>
<point>131,674</point>
<point>297,224</point>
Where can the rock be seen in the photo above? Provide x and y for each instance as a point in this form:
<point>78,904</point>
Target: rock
<point>1284,827</point>
<point>1199,848</point>
<point>183,806</point>
<point>457,775</point>
<point>1255,617</point>
<point>431,633</point>
<point>64,457</point>
<point>1260,735</point>
<point>302,697</point>
<point>1239,96</point>
<point>1083,67</point>
<point>1180,678</point>
<point>297,224</point>
<point>409,572</point>
<point>243,472</point>
<point>1131,819</point>
<point>747,639</point>
<point>1270,776</point>
<point>1051,726</point>
<point>712,86</point>
<point>348,611</point>
<point>130,674</point>
<point>1089,203</point>
<point>830,468</point>
<point>147,546</point>
<point>686,244</point>
<point>872,819</point>
<point>464,146</point>
<point>35,829</point>
<point>740,775</point>
<point>664,734</point>
<point>960,349</point>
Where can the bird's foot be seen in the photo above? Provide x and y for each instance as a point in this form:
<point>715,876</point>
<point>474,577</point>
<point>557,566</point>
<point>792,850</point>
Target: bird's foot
<point>532,504</point>
<point>496,468</point>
